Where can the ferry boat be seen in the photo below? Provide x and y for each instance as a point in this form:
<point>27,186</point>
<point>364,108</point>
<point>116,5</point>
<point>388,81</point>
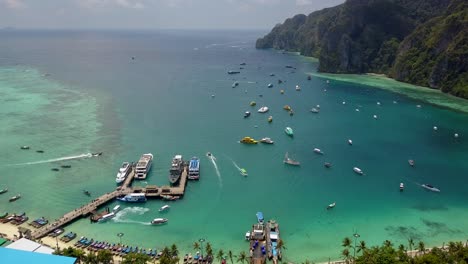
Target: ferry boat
<point>14,198</point>
<point>267,140</point>
<point>123,172</point>
<point>289,131</point>
<point>106,217</point>
<point>133,198</point>
<point>164,208</point>
<point>159,221</point>
<point>177,166</point>
<point>260,217</point>
<point>430,187</point>
<point>248,140</point>
<point>143,166</point>
<point>194,169</point>
<point>290,161</point>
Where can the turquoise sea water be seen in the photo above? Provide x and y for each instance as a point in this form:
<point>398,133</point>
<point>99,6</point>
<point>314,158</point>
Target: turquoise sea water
<point>72,93</point>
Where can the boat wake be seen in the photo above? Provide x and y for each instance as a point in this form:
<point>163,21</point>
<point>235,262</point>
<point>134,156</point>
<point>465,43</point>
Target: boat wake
<point>213,161</point>
<point>82,156</point>
<point>124,215</point>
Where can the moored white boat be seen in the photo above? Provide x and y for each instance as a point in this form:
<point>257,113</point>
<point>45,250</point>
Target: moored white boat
<point>358,170</point>
<point>298,88</point>
<point>124,170</point>
<point>318,151</point>
<point>350,142</point>
<point>332,205</point>
<point>263,109</point>
<point>159,221</point>
<point>314,110</point>
<point>402,186</point>
<point>267,140</point>
<point>430,187</point>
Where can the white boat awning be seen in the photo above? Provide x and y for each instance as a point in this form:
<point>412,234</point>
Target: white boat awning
<point>273,236</point>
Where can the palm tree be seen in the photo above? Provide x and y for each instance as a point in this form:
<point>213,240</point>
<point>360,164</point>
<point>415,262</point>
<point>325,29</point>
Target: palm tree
<point>220,255</point>
<point>345,253</point>
<point>104,257</point>
<point>166,252</point>
<point>242,257</point>
<point>174,250</point>
<point>388,243</point>
<point>196,246</point>
<point>346,242</point>
<point>361,247</point>
<point>401,247</point>
<point>209,250</point>
<point>421,247</point>
<point>230,255</point>
<point>410,243</point>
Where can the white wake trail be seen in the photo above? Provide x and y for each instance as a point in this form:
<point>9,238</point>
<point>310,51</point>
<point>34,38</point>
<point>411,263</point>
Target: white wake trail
<point>213,161</point>
<point>122,216</point>
<point>82,156</point>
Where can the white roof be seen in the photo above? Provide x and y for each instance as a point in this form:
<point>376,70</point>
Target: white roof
<point>273,236</point>
<point>31,246</point>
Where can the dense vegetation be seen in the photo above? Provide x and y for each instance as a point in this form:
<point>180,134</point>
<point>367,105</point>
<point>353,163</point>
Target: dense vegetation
<point>424,42</point>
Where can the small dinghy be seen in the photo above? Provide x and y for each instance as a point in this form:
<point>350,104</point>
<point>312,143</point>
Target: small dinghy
<point>402,186</point>
<point>358,171</point>
<point>330,206</point>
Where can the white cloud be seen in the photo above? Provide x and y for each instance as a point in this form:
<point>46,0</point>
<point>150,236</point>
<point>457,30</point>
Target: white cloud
<point>13,4</point>
<point>91,4</point>
<point>303,2</point>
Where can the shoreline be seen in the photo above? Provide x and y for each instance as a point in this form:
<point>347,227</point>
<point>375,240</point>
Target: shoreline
<point>428,95</point>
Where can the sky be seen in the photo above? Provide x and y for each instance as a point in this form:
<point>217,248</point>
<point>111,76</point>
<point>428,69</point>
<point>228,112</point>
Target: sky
<point>153,14</point>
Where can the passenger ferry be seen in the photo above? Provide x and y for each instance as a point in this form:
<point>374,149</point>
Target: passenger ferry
<point>177,166</point>
<point>143,166</point>
<point>194,169</point>
<point>123,172</point>
<point>133,198</point>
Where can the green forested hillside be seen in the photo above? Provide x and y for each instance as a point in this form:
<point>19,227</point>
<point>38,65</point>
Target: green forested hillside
<point>417,41</point>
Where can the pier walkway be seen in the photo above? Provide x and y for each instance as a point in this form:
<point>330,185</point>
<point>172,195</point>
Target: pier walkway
<point>125,188</point>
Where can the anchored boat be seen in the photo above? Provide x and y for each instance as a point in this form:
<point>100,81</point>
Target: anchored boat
<point>289,131</point>
<point>267,140</point>
<point>124,170</point>
<point>430,187</point>
<point>290,161</point>
<point>358,171</point>
<point>14,198</point>
<point>248,140</point>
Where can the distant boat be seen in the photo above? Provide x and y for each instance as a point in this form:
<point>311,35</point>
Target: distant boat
<point>24,147</point>
<point>96,154</point>
<point>87,192</point>
<point>290,161</point>
<point>260,217</point>
<point>243,172</point>
<point>233,72</point>
<point>430,187</point>
<point>287,108</point>
<point>327,165</point>
<point>358,171</point>
<point>402,186</point>
<point>3,190</point>
<point>270,119</point>
<point>281,91</point>
<point>253,103</point>
<point>350,142</point>
<point>309,78</point>
<point>235,84</point>
<point>318,151</point>
<point>270,85</point>
<point>267,140</point>
<point>133,198</point>
<point>289,131</point>
<point>332,205</point>
<point>164,208</point>
<point>263,109</point>
<point>159,221</point>
<point>411,162</point>
<point>298,88</point>
<point>246,114</point>
<point>14,198</point>
<point>314,110</point>
<point>248,140</point>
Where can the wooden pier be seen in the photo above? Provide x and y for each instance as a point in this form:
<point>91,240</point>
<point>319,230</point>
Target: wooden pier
<point>85,210</point>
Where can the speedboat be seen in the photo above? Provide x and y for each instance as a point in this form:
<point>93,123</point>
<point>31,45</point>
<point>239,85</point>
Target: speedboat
<point>247,235</point>
<point>327,165</point>
<point>233,72</point>
<point>289,131</point>
<point>290,161</point>
<point>123,172</point>
<point>96,154</point>
<point>246,114</point>
<point>298,88</point>
<point>350,142</point>
<point>270,119</point>
<point>318,151</point>
<point>164,208</point>
<point>330,206</point>
<point>14,198</point>
<point>24,147</point>
<point>267,140</point>
<point>402,186</point>
<point>3,190</point>
<point>358,171</point>
<point>263,109</point>
<point>159,221</point>
<point>270,85</point>
<point>243,172</point>
<point>430,187</point>
<point>260,217</point>
<point>411,162</point>
<point>248,140</point>
<point>314,110</point>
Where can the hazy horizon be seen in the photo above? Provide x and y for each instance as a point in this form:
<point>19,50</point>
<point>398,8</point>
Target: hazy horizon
<point>153,14</point>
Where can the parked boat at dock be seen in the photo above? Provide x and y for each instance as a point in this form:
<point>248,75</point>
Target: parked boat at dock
<point>124,170</point>
<point>260,218</point>
<point>273,238</point>
<point>143,166</point>
<point>133,198</point>
<point>194,169</point>
<point>430,187</point>
<point>159,221</point>
<point>177,166</point>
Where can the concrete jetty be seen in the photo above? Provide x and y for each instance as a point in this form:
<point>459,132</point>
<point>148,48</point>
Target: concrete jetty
<point>151,191</point>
